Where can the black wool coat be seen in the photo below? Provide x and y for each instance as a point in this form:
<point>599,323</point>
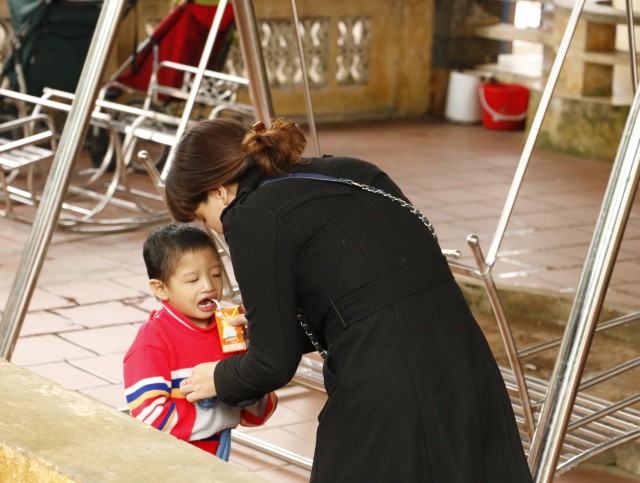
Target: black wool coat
<point>415,394</point>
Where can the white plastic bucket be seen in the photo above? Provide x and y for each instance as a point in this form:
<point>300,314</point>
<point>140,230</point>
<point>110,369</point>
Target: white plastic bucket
<point>463,104</point>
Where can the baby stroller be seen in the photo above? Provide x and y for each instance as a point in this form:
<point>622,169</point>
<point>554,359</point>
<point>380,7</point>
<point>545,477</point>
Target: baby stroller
<point>179,38</point>
<point>157,76</point>
<point>52,38</point>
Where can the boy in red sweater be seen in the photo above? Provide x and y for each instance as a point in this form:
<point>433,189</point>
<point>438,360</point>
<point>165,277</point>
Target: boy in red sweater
<point>185,274</point>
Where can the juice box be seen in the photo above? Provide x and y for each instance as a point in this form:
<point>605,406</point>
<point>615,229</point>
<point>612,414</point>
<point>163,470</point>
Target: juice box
<point>232,338</point>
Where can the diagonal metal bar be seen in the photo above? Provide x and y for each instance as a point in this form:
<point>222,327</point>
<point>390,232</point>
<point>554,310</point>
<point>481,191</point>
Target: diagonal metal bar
<point>576,341</point>
<point>534,130</point>
<point>305,80</point>
<point>254,62</point>
<point>631,36</point>
<point>197,78</point>
<point>258,84</point>
<point>58,180</point>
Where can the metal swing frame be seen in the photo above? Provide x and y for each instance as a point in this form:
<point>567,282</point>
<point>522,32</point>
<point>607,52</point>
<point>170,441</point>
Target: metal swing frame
<point>549,434</point>
<point>96,190</point>
<point>562,426</point>
<point>86,108</point>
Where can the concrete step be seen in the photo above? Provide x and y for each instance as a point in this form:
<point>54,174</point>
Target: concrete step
<point>509,32</point>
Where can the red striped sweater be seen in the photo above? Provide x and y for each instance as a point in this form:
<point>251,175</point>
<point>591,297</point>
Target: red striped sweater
<point>164,352</point>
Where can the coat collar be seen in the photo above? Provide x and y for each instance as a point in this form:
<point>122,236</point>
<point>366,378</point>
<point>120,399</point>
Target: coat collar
<point>249,182</point>
<point>253,177</point>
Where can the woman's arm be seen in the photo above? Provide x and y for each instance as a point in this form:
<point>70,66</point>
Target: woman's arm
<point>265,265</point>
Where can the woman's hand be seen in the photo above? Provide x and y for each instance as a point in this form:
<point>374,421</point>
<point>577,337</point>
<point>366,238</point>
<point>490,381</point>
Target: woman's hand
<point>200,384</point>
<point>238,321</point>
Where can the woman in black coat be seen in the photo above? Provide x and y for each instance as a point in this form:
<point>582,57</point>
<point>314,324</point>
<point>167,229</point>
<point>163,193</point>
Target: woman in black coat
<point>414,391</point>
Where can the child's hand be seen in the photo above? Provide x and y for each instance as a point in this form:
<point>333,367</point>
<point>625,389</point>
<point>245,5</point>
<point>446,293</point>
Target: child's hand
<point>200,384</point>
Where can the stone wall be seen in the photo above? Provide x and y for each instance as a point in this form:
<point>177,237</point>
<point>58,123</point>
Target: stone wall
<point>376,61</point>
<point>589,107</point>
<point>366,59</point>
<point>52,434</point>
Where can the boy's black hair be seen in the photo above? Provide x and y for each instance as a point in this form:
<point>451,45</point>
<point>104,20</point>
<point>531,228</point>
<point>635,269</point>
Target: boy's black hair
<point>165,245</point>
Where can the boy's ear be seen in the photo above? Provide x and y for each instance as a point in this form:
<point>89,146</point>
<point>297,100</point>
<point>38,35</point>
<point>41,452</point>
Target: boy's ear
<point>159,289</point>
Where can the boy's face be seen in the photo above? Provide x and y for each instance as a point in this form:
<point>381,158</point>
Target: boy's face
<point>196,281</point>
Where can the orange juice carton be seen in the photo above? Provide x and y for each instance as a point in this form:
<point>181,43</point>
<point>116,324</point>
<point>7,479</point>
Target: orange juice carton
<point>232,338</point>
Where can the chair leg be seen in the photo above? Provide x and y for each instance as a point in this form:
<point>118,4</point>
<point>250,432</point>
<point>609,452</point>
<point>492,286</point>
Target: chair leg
<point>5,190</point>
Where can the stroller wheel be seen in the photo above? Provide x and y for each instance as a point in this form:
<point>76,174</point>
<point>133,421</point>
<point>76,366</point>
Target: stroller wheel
<point>97,143</point>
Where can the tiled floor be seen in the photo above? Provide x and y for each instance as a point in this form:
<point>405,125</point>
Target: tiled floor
<point>92,292</point>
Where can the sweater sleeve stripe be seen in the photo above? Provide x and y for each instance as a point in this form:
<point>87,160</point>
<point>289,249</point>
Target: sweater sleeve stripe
<point>176,394</point>
<point>154,415</point>
<point>163,424</point>
<point>144,382</point>
<point>144,413</point>
<point>147,396</point>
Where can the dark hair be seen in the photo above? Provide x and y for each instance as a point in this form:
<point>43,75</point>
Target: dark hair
<point>217,152</point>
<point>165,245</point>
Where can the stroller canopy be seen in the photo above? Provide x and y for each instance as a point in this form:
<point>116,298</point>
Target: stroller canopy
<point>180,38</point>
<point>25,12</point>
<point>54,40</point>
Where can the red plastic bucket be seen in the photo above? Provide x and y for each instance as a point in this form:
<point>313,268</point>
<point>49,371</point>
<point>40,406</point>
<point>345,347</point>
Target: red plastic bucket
<point>504,106</point>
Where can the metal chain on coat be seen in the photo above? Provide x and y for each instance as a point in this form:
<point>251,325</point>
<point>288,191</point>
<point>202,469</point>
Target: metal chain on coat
<point>402,202</point>
<point>370,189</point>
<point>365,187</point>
<point>312,337</point>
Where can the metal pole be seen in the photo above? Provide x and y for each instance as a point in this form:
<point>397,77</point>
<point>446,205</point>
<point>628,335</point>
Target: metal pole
<point>58,180</point>
<point>271,449</point>
<point>533,131</point>
<point>254,62</point>
<point>305,80</point>
<point>576,341</point>
<point>631,36</point>
<point>505,333</point>
<point>197,81</point>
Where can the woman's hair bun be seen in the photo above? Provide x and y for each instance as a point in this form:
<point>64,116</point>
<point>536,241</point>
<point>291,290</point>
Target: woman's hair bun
<point>275,147</point>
